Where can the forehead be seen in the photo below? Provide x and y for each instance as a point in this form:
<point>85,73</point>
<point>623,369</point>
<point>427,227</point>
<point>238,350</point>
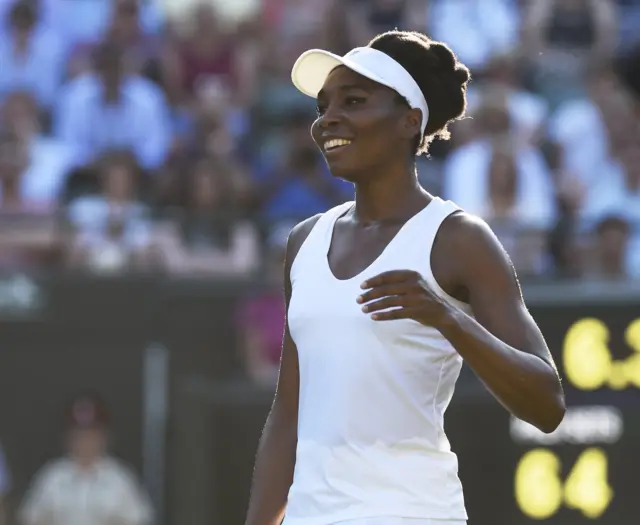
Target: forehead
<point>343,79</point>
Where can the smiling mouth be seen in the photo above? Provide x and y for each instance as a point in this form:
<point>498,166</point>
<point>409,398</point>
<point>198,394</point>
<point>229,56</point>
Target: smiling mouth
<point>335,145</point>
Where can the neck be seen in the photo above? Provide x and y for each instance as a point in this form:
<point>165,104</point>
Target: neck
<point>21,43</point>
<point>388,195</point>
<point>10,194</point>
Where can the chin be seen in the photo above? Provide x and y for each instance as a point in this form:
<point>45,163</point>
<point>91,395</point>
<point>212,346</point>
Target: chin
<point>348,173</point>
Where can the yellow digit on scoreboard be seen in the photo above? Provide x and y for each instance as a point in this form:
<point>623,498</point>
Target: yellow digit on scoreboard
<point>588,364</point>
<point>586,355</point>
<point>540,491</point>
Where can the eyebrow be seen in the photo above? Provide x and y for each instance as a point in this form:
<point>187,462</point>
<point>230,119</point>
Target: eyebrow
<point>343,87</point>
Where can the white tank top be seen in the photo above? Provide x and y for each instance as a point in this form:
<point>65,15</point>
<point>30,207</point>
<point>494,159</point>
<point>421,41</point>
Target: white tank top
<point>372,394</point>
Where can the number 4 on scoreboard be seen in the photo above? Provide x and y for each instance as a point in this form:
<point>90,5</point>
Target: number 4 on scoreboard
<point>540,491</point>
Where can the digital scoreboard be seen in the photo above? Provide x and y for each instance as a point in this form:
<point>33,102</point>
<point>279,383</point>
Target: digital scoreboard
<point>588,470</point>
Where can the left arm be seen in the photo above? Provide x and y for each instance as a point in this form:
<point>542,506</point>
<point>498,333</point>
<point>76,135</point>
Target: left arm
<point>501,343</point>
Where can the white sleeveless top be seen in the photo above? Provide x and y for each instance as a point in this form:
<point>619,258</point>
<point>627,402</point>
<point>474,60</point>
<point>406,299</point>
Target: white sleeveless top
<point>372,394</point>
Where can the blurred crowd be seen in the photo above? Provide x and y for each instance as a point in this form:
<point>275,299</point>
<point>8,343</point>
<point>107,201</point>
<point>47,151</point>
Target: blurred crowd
<point>167,136</point>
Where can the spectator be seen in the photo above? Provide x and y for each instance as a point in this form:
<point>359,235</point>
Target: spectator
<point>211,237</point>
<point>78,21</point>
<point>206,56</point>
<point>493,175</point>
<point>578,126</point>
<point>29,234</point>
<point>48,159</point>
<point>475,35</point>
<point>125,29</point>
<point>109,491</point>
<point>111,229</point>
<point>109,110</point>
<point>261,317</point>
<point>31,59</point>
<point>609,253</point>
<point>562,37</point>
<point>528,111</point>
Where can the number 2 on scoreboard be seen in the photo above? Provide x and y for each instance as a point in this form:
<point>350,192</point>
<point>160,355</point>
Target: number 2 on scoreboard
<point>540,492</point>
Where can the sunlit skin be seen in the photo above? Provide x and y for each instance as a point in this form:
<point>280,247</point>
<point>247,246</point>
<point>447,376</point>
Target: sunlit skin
<point>379,125</point>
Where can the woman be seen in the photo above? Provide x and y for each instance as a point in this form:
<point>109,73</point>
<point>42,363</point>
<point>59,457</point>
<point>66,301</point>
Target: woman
<point>87,486</point>
<point>386,297</point>
<point>211,238</point>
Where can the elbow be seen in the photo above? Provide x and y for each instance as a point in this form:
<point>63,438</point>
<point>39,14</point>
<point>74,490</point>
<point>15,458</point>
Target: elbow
<point>553,415</point>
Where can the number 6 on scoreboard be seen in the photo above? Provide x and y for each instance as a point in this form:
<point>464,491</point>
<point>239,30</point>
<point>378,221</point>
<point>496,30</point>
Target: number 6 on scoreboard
<point>540,491</point>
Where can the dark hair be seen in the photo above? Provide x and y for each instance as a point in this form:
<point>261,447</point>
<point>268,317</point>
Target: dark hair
<point>435,68</point>
<point>23,14</point>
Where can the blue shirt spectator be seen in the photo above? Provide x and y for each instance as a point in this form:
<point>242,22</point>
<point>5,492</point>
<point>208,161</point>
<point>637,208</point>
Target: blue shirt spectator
<point>108,110</point>
<point>31,58</point>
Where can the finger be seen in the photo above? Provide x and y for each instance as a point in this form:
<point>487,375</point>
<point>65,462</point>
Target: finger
<point>389,302</point>
<point>385,290</point>
<point>397,313</point>
<point>390,277</point>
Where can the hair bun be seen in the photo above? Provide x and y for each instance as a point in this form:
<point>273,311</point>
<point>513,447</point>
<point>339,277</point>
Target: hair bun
<point>444,56</point>
<point>461,74</point>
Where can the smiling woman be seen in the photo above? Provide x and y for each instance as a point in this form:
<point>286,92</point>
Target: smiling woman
<point>386,296</point>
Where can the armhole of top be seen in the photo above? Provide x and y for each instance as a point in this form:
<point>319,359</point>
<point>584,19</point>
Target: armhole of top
<point>320,227</point>
<point>444,211</point>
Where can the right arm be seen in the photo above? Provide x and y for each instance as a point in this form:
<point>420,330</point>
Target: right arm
<point>275,461</point>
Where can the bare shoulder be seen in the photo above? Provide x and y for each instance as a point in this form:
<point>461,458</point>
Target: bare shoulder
<point>298,235</point>
<point>469,245</point>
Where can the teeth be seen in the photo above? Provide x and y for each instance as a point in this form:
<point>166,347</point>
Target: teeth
<point>334,143</point>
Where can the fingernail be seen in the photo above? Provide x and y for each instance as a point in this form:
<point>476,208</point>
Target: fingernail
<point>359,299</point>
<point>374,316</point>
<point>365,308</point>
<point>364,285</point>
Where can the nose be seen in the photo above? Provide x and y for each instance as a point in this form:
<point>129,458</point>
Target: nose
<point>331,117</point>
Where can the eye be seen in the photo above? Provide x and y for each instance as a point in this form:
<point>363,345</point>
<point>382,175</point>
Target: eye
<point>352,101</point>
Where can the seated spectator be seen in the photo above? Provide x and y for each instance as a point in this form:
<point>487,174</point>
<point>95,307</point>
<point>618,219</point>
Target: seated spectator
<point>28,233</point>
<point>608,255</point>
<point>495,177</point>
<point>582,127</point>
<point>210,237</point>
<point>125,29</point>
<point>88,485</point>
<point>111,231</point>
<point>474,34</point>
<point>49,159</point>
<point>528,111</point>
<point>79,21</point>
<point>109,109</point>
<point>261,317</point>
<point>206,55</point>
<point>31,59</point>
<point>562,37</point>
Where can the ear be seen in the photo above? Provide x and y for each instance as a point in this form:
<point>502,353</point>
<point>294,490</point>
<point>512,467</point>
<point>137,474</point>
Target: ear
<point>412,123</point>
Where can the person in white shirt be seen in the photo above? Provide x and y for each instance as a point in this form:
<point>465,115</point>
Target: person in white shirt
<point>385,298</point>
<point>87,486</point>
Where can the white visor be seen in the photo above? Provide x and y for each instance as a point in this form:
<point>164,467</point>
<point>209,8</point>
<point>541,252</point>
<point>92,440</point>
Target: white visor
<point>313,67</point>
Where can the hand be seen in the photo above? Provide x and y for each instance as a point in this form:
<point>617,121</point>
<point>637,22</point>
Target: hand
<point>402,294</point>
